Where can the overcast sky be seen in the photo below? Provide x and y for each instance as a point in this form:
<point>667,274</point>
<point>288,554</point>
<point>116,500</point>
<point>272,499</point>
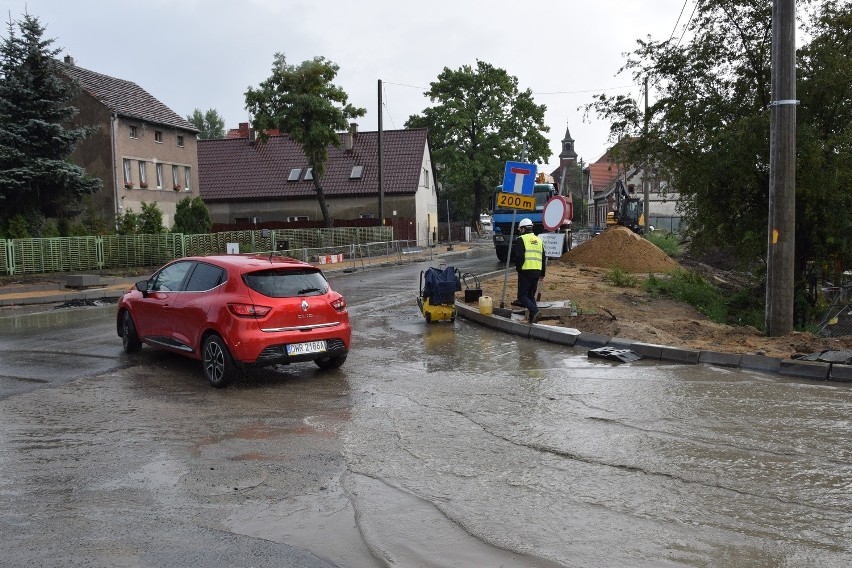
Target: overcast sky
<point>205,53</point>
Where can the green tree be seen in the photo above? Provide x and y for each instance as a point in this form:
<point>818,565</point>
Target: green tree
<point>128,222</point>
<point>192,217</point>
<point>18,228</point>
<point>36,178</point>
<point>301,101</point>
<point>210,123</point>
<point>709,127</point>
<point>151,219</point>
<point>480,120</point>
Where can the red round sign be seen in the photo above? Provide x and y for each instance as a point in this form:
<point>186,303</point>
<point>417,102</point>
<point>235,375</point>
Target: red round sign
<point>555,212</point>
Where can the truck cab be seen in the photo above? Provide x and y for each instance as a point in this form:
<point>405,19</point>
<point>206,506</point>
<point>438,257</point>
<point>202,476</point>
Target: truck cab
<point>502,219</point>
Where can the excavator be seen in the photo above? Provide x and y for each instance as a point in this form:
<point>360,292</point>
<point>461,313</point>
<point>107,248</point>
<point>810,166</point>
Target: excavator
<point>628,210</point>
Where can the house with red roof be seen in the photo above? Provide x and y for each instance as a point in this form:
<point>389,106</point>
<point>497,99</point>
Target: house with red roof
<point>601,177</point>
<point>140,149</point>
<point>244,180</point>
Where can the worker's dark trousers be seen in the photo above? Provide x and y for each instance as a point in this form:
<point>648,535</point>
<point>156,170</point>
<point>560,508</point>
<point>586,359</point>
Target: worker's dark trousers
<point>526,292</point>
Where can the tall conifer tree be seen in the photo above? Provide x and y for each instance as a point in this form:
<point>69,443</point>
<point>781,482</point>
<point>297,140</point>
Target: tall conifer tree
<point>36,178</point>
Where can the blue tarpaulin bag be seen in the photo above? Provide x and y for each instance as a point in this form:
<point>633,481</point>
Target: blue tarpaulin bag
<point>440,286</point>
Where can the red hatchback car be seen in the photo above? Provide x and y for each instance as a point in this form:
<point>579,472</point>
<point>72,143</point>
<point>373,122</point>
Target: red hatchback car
<point>237,310</point>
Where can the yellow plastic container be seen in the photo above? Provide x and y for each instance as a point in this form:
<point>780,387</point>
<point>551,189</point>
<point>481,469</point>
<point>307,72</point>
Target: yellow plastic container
<point>486,307</point>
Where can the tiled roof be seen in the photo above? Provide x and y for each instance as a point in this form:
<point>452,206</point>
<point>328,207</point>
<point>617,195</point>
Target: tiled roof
<point>232,169</point>
<point>126,98</point>
<point>602,174</point>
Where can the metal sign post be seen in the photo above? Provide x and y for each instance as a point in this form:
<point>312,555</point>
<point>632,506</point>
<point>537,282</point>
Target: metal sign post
<point>518,178</point>
<point>508,258</point>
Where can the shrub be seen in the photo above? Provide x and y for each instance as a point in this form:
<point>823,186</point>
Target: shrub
<point>619,277</point>
<point>692,289</point>
<point>667,242</point>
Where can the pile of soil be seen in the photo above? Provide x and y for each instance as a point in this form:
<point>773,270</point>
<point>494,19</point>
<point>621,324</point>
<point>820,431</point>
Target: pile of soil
<point>620,247</point>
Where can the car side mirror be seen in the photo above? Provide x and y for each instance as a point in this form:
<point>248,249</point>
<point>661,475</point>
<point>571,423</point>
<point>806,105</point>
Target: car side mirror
<point>142,286</point>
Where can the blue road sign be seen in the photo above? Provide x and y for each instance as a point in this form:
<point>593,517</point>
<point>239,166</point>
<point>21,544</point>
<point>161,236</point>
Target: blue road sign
<point>519,178</point>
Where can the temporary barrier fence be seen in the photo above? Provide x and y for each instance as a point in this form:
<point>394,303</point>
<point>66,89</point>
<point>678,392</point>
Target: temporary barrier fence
<point>357,245</point>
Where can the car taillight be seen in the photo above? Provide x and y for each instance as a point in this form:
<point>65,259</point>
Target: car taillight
<point>339,304</point>
<point>249,310</point>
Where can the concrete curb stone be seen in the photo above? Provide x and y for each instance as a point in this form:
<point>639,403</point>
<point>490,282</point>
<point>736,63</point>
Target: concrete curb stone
<point>841,373</point>
<point>804,369</point>
<point>760,363</point>
<point>575,338</point>
<point>720,359</point>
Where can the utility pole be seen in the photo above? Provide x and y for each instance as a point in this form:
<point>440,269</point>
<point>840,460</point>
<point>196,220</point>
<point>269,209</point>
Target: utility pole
<point>646,211</point>
<point>781,248</point>
<point>381,165</point>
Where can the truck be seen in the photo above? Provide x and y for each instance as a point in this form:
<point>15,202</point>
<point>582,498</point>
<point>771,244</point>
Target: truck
<point>502,218</point>
<point>628,210</point>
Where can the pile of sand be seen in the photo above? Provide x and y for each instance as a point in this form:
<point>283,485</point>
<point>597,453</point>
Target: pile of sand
<point>621,247</point>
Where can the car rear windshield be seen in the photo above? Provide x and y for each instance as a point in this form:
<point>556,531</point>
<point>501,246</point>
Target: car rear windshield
<point>284,283</point>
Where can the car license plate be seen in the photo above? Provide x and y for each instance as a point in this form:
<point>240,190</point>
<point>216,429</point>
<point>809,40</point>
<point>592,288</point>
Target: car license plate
<point>306,348</point>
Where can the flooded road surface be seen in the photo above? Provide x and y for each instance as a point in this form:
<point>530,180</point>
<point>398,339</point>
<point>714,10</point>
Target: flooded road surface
<point>540,450</point>
<point>434,445</point>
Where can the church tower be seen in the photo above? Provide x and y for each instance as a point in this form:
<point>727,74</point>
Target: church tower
<point>567,155</point>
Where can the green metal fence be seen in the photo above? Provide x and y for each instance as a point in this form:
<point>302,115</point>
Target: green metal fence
<point>72,254</point>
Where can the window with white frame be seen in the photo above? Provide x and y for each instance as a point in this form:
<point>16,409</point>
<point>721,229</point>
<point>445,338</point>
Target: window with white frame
<point>187,177</point>
<point>128,179</point>
<point>159,176</point>
<point>425,178</point>
<point>295,173</point>
<point>158,136</point>
<point>175,178</point>
<point>143,174</point>
<point>357,172</point>
<point>309,174</point>
<point>298,218</point>
<point>133,132</point>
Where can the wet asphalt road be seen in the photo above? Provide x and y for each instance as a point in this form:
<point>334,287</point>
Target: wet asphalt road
<point>434,445</point>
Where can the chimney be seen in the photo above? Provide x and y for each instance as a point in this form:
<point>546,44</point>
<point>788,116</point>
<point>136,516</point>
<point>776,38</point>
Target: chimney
<point>349,137</point>
<point>244,130</point>
<point>69,60</point>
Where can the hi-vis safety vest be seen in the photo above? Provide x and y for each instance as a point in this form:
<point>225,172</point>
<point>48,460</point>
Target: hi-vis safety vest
<point>533,252</point>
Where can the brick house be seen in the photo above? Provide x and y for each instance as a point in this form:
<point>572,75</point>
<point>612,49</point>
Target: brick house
<point>245,181</point>
<point>140,149</point>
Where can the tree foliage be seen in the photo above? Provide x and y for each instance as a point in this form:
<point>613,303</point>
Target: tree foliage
<point>209,123</point>
<point>192,217</point>
<point>36,178</point>
<point>480,120</point>
<point>709,126</point>
<point>148,222</point>
<point>301,101</point>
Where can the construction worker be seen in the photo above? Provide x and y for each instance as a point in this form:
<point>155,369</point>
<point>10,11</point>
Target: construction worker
<point>530,263</point>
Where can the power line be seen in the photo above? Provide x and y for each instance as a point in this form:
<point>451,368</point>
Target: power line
<point>686,26</point>
<point>585,91</point>
<point>682,8</point>
<point>385,103</point>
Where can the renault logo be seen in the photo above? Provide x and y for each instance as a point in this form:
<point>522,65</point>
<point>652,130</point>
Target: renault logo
<point>304,305</point>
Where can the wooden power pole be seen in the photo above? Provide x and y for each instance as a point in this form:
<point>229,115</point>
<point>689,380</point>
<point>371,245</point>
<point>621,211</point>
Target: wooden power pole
<point>782,172</point>
<point>646,176</point>
<point>381,165</point>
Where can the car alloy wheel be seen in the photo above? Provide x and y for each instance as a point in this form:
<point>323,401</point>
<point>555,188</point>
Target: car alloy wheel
<point>216,361</point>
